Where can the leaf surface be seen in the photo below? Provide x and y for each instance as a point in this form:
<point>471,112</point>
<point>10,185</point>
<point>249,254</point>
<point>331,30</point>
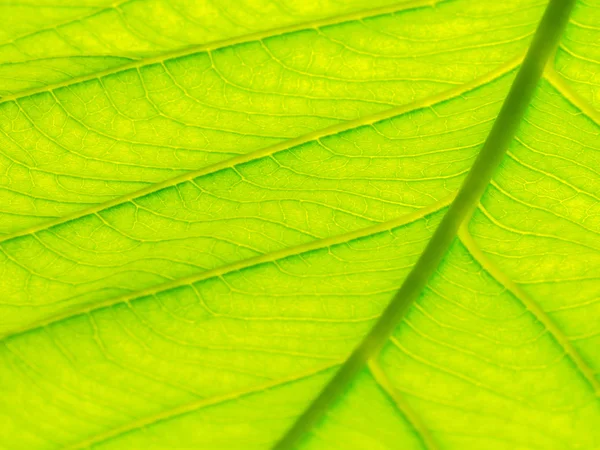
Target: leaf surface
<point>204,210</point>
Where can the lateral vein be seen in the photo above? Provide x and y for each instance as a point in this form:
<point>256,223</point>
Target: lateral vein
<point>411,416</point>
<point>532,306</point>
<point>236,266</point>
<point>274,149</point>
<point>216,45</point>
<point>190,407</point>
<point>558,82</point>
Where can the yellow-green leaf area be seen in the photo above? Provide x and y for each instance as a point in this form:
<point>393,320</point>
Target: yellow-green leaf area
<point>219,225</point>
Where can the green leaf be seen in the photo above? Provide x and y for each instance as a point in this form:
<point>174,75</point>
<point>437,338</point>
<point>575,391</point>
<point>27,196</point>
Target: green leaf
<point>300,224</point>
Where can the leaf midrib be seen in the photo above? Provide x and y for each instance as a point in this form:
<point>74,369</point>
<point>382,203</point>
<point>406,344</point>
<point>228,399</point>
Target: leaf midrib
<point>376,370</point>
<point>590,112</point>
<point>545,40</point>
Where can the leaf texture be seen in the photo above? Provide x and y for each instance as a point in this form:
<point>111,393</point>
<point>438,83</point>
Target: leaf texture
<point>204,209</point>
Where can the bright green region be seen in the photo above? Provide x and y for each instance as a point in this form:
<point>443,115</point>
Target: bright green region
<point>97,139</point>
<point>578,56</point>
<point>49,42</point>
<point>262,205</point>
<point>204,209</point>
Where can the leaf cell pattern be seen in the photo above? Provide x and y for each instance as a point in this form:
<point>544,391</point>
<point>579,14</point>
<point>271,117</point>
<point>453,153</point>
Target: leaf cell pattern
<point>204,209</point>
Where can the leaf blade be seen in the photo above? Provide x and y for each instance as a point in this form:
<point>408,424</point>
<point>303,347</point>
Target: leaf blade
<point>322,304</point>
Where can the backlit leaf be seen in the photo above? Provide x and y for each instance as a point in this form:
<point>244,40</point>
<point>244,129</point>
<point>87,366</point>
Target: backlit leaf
<point>206,206</point>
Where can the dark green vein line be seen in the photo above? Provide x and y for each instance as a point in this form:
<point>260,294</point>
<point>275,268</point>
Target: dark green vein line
<point>503,131</point>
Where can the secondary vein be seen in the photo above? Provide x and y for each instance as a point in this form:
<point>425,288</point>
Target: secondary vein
<point>215,45</point>
<point>532,306</point>
<point>411,416</point>
<point>558,82</point>
<point>195,405</point>
<point>276,148</point>
<point>229,268</point>
<point>503,131</point>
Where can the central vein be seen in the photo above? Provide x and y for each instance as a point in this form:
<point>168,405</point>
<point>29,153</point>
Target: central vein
<point>503,131</point>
